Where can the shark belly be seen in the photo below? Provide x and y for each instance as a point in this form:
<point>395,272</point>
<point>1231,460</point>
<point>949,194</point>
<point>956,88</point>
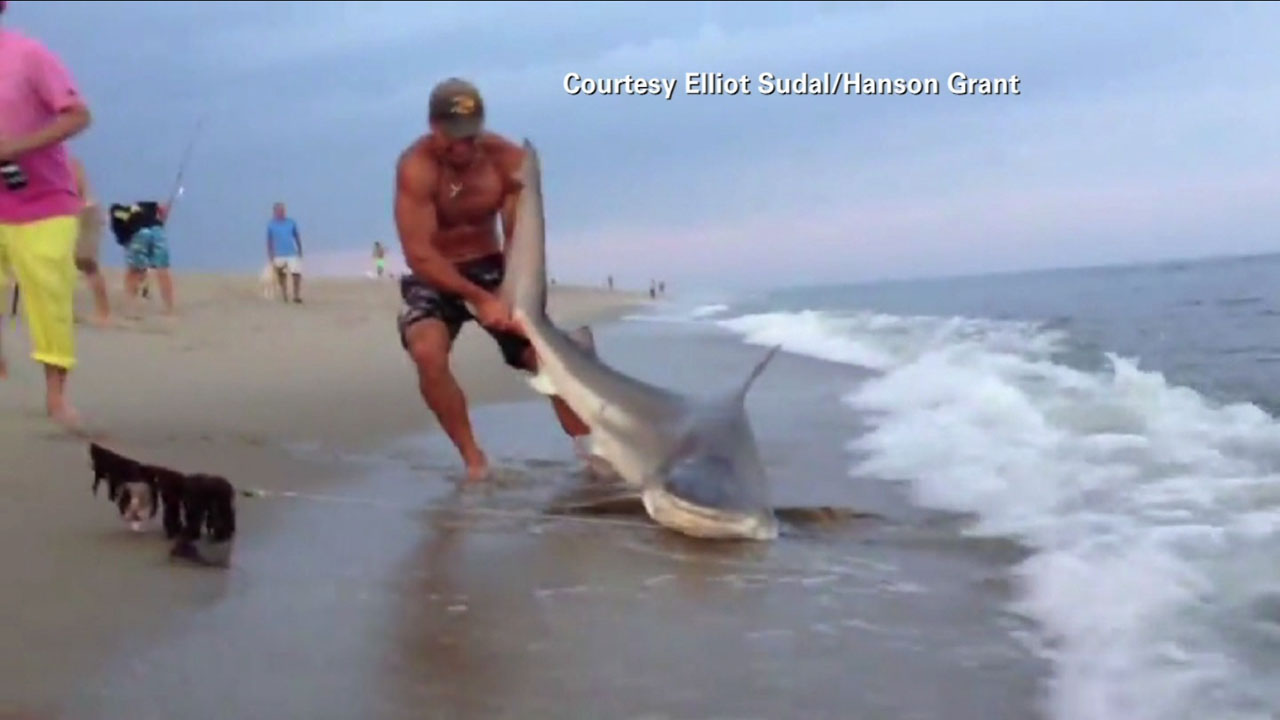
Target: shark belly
<point>686,518</point>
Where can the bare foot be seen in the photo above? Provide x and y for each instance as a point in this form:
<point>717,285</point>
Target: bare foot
<point>66,416</point>
<point>477,467</point>
<point>4,369</point>
<point>582,447</point>
<point>102,321</point>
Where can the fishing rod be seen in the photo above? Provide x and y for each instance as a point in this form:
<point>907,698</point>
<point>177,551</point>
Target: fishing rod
<point>178,187</point>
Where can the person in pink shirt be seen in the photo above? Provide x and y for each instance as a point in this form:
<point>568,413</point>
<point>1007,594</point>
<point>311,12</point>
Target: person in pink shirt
<point>40,109</point>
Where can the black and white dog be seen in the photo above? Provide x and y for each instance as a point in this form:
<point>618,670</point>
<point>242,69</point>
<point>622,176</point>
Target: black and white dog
<point>129,485</point>
<point>199,509</point>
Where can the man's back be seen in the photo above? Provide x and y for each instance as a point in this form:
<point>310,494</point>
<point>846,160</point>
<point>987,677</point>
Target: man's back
<point>34,88</point>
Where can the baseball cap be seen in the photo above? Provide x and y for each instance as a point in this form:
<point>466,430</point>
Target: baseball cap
<point>456,104</point>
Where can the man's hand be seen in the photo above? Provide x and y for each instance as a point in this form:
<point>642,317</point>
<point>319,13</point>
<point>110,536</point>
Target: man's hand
<point>493,312</point>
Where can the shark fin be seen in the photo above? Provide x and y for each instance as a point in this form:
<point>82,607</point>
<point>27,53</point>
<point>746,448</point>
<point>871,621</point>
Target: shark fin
<point>757,370</point>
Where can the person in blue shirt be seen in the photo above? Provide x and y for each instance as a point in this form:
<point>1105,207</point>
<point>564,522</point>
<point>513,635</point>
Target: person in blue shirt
<point>284,252</point>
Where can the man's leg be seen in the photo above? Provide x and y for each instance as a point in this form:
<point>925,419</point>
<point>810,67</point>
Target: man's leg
<point>136,261</point>
<point>520,354</point>
<point>282,279</point>
<point>160,265</point>
<point>5,282</point>
<point>88,245</point>
<point>297,287</point>
<point>165,279</point>
<point>98,287</point>
<point>43,258</point>
<point>429,342</point>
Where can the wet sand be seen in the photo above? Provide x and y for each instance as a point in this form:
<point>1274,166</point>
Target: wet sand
<point>393,594</point>
<point>241,386</point>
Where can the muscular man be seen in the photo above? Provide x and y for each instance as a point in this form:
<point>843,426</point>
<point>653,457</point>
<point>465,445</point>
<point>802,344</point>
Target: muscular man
<point>451,186</point>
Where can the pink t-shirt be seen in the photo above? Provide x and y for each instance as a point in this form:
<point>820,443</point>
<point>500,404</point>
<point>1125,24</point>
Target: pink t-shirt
<point>34,88</point>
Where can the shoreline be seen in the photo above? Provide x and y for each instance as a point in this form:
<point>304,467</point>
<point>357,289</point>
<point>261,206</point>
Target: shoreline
<point>235,388</point>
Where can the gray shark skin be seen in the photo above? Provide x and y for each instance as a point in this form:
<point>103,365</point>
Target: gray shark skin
<point>693,460</point>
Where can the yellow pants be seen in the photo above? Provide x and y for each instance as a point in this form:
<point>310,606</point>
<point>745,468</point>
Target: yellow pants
<point>41,257</point>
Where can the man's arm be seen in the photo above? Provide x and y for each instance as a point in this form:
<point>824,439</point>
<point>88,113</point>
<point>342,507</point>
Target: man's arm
<point>415,215</point>
<point>51,81</point>
<point>297,236</point>
<point>271,255</point>
<point>77,169</point>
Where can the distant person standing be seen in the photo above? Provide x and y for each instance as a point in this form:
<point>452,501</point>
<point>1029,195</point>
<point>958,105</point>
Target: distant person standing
<point>146,249</point>
<point>284,252</point>
<point>379,259</point>
<point>610,282</point>
<point>40,109</point>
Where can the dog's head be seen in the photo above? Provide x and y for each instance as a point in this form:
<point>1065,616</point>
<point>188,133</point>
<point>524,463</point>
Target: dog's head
<point>138,496</point>
<point>130,485</point>
<point>137,502</point>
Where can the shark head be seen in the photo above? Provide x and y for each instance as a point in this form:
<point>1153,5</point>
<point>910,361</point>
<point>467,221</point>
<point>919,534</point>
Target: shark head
<point>714,484</point>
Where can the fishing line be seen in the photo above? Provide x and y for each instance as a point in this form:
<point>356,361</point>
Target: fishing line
<point>178,187</point>
<point>777,572</point>
<point>481,512</point>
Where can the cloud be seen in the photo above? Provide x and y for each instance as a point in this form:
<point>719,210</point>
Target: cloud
<point>970,231</point>
<point>1124,106</point>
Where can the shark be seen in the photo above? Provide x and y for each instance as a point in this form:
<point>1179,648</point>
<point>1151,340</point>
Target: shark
<point>693,460</point>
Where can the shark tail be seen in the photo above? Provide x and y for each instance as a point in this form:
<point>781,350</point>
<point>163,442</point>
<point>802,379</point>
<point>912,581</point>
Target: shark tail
<point>525,287</point>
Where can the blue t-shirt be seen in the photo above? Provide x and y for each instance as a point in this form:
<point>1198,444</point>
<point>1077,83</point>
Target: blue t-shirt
<point>282,233</point>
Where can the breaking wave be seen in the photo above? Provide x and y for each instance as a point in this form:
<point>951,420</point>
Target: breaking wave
<point>1153,513</point>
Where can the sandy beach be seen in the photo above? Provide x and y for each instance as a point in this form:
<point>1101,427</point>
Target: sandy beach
<point>240,386</point>
<point>368,583</point>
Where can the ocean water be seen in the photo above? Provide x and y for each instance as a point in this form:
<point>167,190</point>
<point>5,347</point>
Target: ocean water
<point>1118,425</point>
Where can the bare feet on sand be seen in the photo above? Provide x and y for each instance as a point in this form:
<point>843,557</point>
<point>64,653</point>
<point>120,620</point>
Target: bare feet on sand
<point>102,321</point>
<point>477,466</point>
<point>62,413</point>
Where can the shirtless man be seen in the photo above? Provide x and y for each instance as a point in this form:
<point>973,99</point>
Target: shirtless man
<point>451,186</point>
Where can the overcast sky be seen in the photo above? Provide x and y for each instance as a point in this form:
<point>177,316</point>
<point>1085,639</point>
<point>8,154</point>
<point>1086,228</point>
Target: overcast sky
<point>1141,131</point>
